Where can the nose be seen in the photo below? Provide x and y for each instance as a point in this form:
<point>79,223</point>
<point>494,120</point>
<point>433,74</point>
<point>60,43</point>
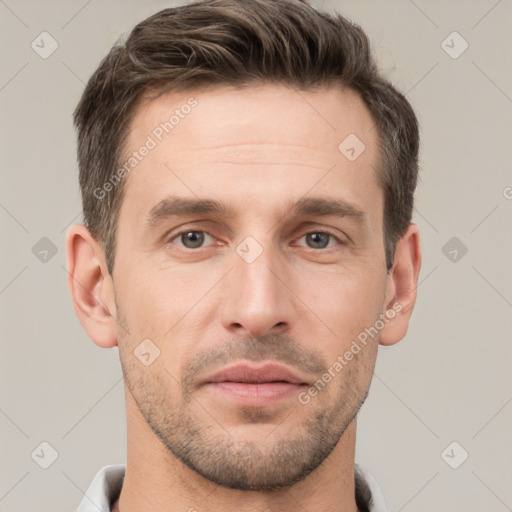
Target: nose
<point>257,300</point>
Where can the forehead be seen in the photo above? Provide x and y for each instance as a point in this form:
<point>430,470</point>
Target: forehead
<point>246,142</point>
<point>261,114</point>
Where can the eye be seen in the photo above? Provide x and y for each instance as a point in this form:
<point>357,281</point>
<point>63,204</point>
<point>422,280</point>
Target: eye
<point>320,239</point>
<point>191,239</point>
<point>196,239</point>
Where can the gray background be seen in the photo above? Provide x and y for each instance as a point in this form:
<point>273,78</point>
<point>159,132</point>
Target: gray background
<point>448,380</point>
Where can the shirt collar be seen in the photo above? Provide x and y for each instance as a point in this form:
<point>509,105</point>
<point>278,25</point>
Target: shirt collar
<point>106,487</point>
<point>368,492</point>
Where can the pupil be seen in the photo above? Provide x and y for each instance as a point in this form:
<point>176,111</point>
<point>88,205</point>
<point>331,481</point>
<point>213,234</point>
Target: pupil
<point>193,239</point>
<point>319,239</point>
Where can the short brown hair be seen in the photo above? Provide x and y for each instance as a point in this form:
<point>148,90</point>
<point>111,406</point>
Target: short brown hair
<point>239,43</point>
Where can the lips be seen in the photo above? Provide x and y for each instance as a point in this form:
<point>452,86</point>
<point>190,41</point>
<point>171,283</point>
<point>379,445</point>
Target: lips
<point>251,386</point>
<point>243,373</point>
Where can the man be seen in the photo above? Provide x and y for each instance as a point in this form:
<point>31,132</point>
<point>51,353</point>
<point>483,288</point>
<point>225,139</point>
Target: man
<point>247,181</point>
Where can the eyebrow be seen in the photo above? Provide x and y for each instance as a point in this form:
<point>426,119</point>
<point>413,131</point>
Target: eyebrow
<point>175,206</point>
<point>323,207</point>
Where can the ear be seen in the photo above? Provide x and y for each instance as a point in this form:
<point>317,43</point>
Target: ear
<point>91,286</point>
<point>401,286</point>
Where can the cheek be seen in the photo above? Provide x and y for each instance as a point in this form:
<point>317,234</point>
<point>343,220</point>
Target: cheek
<point>143,304</point>
<point>349,293</point>
<point>164,305</point>
<point>345,302</point>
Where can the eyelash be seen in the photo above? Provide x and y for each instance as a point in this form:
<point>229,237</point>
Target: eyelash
<point>322,231</point>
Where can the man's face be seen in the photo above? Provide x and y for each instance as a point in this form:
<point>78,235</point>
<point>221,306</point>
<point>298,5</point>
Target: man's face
<point>276,280</point>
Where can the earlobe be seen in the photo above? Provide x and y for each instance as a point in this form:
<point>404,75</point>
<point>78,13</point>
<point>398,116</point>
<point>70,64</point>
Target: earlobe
<point>90,286</point>
<point>401,287</point>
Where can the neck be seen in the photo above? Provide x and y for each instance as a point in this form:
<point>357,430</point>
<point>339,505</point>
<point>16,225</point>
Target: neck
<point>155,480</point>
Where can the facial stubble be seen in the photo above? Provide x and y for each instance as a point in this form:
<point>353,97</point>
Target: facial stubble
<point>192,432</point>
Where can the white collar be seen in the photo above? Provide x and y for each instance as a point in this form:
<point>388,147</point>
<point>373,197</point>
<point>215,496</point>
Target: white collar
<point>106,487</point>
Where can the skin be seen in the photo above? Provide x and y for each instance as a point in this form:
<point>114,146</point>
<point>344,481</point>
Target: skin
<point>257,151</point>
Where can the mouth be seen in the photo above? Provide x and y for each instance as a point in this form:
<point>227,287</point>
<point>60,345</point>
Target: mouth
<point>255,386</point>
